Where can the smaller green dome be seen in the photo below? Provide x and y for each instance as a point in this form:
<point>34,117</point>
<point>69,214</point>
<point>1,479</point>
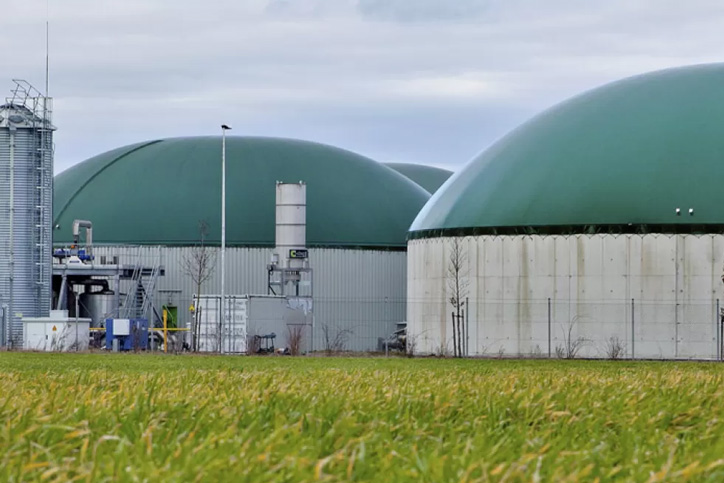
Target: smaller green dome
<point>156,192</point>
<point>619,158</point>
<point>429,177</point>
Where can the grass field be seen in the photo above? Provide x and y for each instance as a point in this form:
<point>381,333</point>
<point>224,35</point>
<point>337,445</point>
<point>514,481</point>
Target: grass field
<point>183,418</point>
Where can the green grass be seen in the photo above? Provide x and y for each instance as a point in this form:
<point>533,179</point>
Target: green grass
<point>150,418</point>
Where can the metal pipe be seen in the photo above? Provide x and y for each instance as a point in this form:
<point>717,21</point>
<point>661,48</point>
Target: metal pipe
<point>77,225</point>
<point>717,319</point>
<point>467,326</point>
<point>76,320</point>
<point>549,328</point>
<point>165,331</point>
<point>3,333</point>
<point>11,262</point>
<point>633,337</point>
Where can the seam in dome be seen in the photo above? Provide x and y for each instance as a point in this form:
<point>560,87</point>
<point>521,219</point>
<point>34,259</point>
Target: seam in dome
<point>94,175</point>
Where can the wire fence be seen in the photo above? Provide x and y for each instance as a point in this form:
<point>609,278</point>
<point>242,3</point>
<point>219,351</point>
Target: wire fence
<point>634,329</point>
<point>331,324</point>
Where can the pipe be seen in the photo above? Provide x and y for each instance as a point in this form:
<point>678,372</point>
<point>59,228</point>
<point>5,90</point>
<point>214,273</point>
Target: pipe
<point>3,334</point>
<point>77,225</point>
<point>11,305</point>
<point>165,331</point>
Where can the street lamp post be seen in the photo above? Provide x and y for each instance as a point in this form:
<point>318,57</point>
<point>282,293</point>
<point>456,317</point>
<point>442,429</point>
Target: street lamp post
<point>222,312</point>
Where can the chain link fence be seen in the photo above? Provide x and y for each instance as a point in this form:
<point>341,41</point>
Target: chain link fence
<point>632,329</point>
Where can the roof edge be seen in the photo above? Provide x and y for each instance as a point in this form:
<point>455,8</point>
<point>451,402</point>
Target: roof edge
<point>612,229</point>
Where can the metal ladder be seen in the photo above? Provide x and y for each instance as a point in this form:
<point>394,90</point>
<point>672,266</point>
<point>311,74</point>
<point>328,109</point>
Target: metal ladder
<point>148,290</point>
<point>44,183</point>
<point>130,304</point>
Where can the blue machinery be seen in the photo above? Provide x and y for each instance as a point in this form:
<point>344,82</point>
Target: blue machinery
<point>131,334</point>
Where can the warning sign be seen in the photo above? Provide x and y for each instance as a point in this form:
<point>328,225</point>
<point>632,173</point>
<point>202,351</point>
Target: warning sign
<point>55,328</point>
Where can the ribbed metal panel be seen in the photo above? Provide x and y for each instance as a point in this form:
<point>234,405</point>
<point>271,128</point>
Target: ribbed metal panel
<point>27,271</point>
<point>359,291</point>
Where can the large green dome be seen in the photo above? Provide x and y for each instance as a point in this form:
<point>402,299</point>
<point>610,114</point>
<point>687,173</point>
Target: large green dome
<point>156,192</point>
<point>429,177</point>
<point>620,158</point>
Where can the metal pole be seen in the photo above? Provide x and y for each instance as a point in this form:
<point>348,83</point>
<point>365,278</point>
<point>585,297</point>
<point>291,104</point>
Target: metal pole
<point>720,326</point>
<point>463,335</point>
<point>76,320</point>
<point>4,323</point>
<point>11,241</point>
<point>549,327</point>
<point>716,325</point>
<point>223,232</point>
<point>633,337</point>
<point>224,127</point>
<point>467,326</point>
<point>165,331</point>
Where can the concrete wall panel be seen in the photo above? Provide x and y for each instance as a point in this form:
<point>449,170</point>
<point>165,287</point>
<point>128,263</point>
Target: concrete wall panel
<point>656,295</point>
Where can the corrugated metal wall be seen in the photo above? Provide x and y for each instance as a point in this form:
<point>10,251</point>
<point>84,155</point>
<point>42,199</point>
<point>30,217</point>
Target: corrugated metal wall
<point>657,295</point>
<point>360,293</point>
<point>30,298</point>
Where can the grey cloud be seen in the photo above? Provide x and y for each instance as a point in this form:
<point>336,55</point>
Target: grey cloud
<point>380,78</point>
<point>422,10</point>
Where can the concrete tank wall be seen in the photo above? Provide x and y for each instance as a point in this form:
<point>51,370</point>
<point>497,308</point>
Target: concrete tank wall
<point>656,295</point>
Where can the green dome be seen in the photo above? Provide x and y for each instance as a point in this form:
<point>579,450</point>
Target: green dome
<point>620,158</point>
<point>429,177</point>
<point>157,192</point>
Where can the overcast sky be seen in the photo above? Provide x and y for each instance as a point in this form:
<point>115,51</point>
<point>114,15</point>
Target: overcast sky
<point>421,81</point>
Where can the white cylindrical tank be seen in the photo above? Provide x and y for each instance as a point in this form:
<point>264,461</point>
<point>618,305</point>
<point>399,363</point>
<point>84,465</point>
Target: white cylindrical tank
<point>291,224</point>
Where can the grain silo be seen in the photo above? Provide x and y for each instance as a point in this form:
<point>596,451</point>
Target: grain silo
<point>595,229</point>
<point>26,171</point>
<point>153,195</point>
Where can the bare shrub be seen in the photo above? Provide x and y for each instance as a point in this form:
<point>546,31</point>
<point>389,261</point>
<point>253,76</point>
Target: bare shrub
<point>198,265</point>
<point>571,346</point>
<point>615,348</point>
<point>501,352</point>
<point>253,343</point>
<point>442,350</point>
<point>295,337</point>
<point>560,352</point>
<point>411,345</point>
<point>537,352</point>
<point>335,339</point>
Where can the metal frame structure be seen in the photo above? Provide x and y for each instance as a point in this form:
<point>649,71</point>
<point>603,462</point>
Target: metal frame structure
<point>83,274</point>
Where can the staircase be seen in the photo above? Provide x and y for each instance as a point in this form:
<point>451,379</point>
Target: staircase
<point>139,299</point>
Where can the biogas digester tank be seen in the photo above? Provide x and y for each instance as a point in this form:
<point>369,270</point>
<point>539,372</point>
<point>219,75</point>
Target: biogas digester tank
<point>26,173</point>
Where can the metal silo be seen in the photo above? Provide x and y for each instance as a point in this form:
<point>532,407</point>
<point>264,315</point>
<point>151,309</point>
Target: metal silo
<point>26,174</point>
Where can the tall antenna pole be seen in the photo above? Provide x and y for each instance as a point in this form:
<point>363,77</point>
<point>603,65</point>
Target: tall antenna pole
<point>47,49</point>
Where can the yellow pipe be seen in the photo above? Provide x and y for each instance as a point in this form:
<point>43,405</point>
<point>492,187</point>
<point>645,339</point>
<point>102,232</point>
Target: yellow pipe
<point>165,330</point>
<point>169,329</point>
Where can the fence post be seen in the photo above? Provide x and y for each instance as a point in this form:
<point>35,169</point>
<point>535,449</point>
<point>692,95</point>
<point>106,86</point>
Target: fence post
<point>719,332</point>
<point>463,350</point>
<point>716,325</point>
<point>633,337</point>
<point>549,327</point>
<point>467,327</point>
